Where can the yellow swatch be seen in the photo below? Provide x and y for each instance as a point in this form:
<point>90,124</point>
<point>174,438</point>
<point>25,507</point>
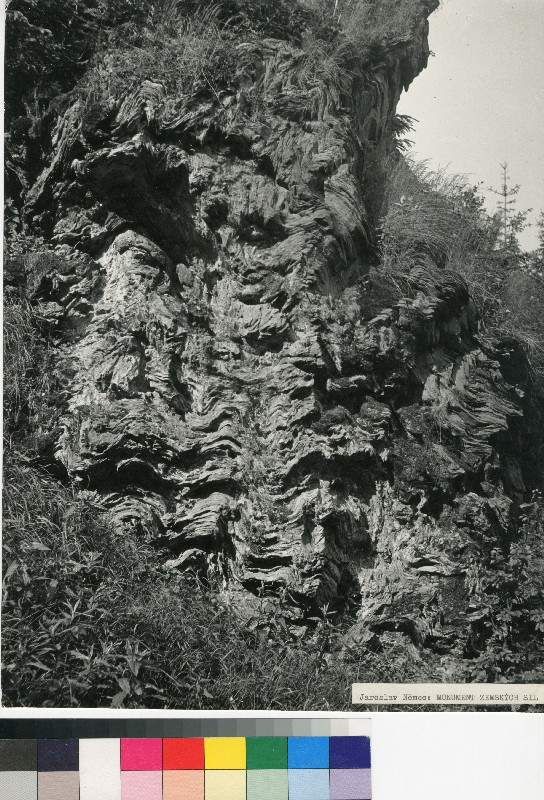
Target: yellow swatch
<point>226,784</point>
<point>227,752</point>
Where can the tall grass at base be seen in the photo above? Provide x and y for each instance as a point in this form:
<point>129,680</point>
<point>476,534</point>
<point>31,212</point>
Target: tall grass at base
<point>33,395</point>
<point>27,380</point>
<point>90,618</point>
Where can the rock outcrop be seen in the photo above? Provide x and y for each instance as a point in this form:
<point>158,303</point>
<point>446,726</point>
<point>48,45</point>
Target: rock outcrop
<point>241,388</point>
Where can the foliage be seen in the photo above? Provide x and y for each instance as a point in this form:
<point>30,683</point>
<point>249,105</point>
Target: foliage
<point>281,19</point>
<point>421,465</point>
<point>31,390</point>
<point>433,213</point>
<point>49,41</point>
<point>521,314</point>
<point>401,125</point>
<point>366,27</point>
<point>343,35</point>
<point>508,606</point>
<point>540,228</point>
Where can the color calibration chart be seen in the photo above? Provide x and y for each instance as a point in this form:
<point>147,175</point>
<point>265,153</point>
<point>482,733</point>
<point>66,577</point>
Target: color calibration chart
<point>282,759</point>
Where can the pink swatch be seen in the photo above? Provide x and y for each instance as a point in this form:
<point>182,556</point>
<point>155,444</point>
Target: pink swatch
<point>141,785</point>
<point>141,754</point>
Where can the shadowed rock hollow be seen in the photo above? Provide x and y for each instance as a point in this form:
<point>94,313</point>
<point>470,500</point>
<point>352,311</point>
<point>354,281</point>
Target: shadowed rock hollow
<point>241,387</point>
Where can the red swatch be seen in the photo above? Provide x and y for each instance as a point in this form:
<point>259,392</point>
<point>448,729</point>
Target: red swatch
<point>141,754</point>
<point>183,753</point>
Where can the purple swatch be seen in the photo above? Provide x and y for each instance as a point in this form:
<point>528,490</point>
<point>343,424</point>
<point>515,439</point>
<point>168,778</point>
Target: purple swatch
<point>350,784</point>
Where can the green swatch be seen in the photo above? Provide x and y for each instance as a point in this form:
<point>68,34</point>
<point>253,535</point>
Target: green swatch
<point>266,752</point>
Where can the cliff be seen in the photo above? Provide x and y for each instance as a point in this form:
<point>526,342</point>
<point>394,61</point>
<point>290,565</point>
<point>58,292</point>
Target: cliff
<point>240,385</point>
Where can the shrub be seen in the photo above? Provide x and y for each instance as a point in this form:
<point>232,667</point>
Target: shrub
<point>433,213</point>
<point>48,43</point>
<point>59,594</point>
<point>521,317</point>
<point>508,607</point>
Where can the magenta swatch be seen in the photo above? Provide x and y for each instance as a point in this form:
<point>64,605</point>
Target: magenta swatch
<point>141,754</point>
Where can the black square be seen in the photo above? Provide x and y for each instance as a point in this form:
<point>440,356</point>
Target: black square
<point>58,755</point>
<point>18,755</point>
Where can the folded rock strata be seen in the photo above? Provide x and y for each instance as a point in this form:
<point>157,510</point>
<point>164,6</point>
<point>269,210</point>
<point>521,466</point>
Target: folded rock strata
<point>238,391</point>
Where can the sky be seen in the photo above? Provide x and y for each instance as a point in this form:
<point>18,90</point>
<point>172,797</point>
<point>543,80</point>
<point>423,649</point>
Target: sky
<point>480,101</point>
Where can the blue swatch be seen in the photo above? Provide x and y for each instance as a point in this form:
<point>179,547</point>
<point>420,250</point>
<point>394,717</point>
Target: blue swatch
<point>350,752</point>
<point>308,752</point>
<point>309,784</point>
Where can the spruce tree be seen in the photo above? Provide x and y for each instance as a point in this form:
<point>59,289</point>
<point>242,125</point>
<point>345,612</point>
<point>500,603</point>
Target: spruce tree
<point>512,221</point>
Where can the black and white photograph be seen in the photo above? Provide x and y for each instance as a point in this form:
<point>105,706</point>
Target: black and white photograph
<point>273,351</point>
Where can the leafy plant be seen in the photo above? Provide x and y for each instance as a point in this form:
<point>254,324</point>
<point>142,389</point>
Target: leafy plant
<point>508,605</point>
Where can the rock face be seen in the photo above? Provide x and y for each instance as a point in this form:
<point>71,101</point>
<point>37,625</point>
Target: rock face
<point>241,389</point>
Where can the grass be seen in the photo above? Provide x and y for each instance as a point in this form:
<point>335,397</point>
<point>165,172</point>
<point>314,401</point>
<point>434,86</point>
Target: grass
<point>367,25</point>
<point>32,396</point>
<point>189,54</point>
<point>432,212</point>
<point>521,315</point>
<point>196,50</point>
